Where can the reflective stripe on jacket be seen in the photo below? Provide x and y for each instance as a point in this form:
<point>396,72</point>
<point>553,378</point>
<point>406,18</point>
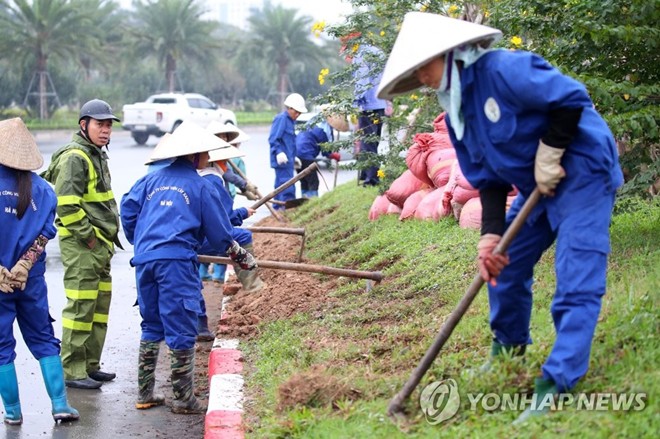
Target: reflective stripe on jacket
<point>86,206</point>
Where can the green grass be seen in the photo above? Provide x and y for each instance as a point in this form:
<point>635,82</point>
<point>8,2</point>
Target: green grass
<point>256,118</point>
<point>372,341</point>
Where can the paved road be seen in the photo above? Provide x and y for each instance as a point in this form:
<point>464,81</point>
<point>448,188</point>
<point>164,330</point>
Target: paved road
<point>109,412</point>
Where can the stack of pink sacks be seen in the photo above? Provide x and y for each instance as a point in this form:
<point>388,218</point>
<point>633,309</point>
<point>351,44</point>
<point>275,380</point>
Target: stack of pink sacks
<point>433,187</point>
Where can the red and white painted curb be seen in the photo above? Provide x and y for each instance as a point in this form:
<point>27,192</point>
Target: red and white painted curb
<point>224,417</point>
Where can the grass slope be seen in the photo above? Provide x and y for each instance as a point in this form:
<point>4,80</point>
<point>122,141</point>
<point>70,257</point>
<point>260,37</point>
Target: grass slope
<point>364,349</point>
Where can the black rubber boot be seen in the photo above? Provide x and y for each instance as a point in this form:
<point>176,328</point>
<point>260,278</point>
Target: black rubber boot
<point>147,359</point>
<point>85,383</point>
<point>183,365</point>
<point>203,332</point>
<point>99,375</point>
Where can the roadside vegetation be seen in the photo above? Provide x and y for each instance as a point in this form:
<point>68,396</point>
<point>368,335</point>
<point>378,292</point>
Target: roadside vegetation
<point>357,354</point>
<point>68,120</point>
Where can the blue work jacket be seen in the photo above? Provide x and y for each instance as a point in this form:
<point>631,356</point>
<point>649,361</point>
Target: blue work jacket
<point>39,219</point>
<point>282,138</point>
<point>168,213</point>
<point>308,142</point>
<point>506,99</point>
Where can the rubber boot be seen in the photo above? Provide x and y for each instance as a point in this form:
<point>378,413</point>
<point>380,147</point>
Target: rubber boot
<point>9,393</point>
<point>183,365</point>
<point>498,350</point>
<point>218,275</point>
<point>204,272</point>
<point>51,370</point>
<point>544,393</point>
<point>147,359</point>
<point>203,333</point>
<point>249,279</point>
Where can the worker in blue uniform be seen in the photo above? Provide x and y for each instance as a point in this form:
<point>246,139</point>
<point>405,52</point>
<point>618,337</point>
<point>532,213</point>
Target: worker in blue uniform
<point>308,147</point>
<point>372,110</point>
<point>250,280</point>
<point>282,140</point>
<point>516,120</point>
<point>27,219</point>
<point>166,215</point>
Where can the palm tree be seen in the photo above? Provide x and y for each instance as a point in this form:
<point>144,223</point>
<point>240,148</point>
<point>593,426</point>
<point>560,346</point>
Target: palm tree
<point>172,31</point>
<point>281,38</point>
<point>35,32</point>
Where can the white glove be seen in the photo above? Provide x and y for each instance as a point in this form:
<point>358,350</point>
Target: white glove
<point>547,168</point>
<point>297,164</point>
<point>281,158</point>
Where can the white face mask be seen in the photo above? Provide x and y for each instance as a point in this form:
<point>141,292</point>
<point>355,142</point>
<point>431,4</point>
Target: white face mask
<point>449,92</point>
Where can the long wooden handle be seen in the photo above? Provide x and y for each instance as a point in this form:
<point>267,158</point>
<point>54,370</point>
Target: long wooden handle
<point>284,230</point>
<point>308,170</point>
<point>308,268</point>
<point>273,212</point>
<point>395,407</point>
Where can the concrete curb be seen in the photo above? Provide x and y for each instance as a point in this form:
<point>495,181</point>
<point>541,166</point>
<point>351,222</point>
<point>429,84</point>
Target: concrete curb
<point>224,416</point>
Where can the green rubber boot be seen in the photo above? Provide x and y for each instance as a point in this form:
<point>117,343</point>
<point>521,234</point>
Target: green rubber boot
<point>499,350</point>
<point>147,359</point>
<point>544,393</point>
<point>183,365</point>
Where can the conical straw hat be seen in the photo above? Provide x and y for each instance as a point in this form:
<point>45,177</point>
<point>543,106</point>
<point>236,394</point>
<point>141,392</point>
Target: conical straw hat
<point>161,142</point>
<point>229,129</point>
<point>18,150</point>
<point>227,153</point>
<point>338,122</point>
<point>424,36</point>
<point>242,137</point>
<point>188,138</point>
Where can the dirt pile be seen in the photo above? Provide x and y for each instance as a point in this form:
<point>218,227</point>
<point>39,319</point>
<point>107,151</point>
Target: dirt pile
<point>286,292</point>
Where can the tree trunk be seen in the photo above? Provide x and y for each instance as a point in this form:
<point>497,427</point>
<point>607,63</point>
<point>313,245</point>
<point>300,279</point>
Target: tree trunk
<point>42,63</point>
<point>283,81</point>
<point>170,69</point>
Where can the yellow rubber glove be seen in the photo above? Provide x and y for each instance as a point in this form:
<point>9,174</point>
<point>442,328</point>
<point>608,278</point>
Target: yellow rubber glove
<point>547,168</point>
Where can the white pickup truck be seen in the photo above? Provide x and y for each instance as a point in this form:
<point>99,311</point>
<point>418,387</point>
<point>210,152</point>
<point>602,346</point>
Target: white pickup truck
<point>162,113</point>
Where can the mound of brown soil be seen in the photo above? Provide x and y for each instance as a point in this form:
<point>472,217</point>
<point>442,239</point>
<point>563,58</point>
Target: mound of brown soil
<point>313,388</point>
<point>285,294</point>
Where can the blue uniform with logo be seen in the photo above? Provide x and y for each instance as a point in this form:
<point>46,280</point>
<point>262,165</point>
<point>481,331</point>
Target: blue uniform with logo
<point>282,138</point>
<point>167,215</point>
<point>28,307</point>
<point>506,97</point>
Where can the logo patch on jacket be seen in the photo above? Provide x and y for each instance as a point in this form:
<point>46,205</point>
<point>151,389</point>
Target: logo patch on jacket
<point>492,110</point>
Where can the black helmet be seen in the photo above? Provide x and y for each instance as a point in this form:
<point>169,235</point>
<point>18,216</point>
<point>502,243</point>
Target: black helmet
<point>97,109</point>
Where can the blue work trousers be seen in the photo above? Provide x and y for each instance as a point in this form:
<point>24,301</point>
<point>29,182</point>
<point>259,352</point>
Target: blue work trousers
<point>30,309</point>
<point>582,246</point>
<point>169,292</point>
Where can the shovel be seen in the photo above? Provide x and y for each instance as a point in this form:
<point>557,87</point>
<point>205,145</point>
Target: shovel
<point>395,409</point>
<point>288,203</point>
